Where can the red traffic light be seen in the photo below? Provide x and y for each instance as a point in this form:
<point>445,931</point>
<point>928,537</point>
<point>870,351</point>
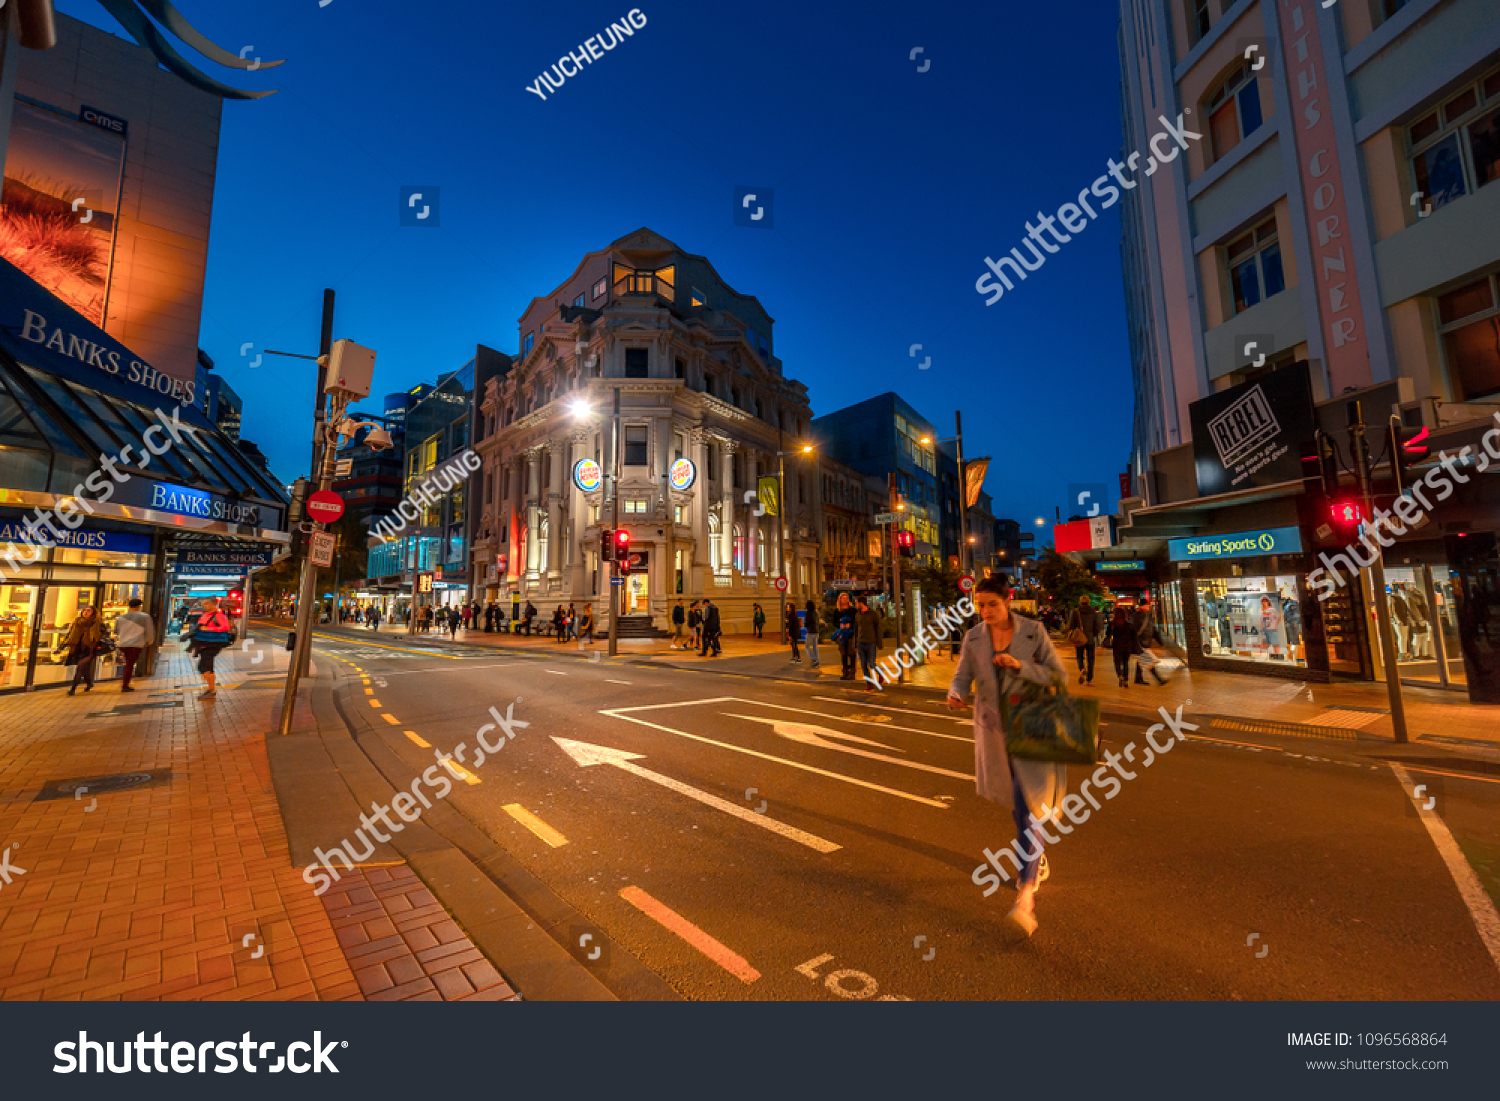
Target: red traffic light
<point>622,539</point>
<point>1346,512</point>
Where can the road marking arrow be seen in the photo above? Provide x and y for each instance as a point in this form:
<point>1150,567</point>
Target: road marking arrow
<point>620,713</point>
<point>586,754</point>
<point>818,736</point>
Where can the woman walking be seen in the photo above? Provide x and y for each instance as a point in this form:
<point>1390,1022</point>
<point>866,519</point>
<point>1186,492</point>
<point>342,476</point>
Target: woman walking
<point>999,654</point>
<point>811,625</point>
<point>793,629</point>
<point>758,622</point>
<point>1122,643</point>
<point>587,628</point>
<point>81,645</point>
<point>212,633</point>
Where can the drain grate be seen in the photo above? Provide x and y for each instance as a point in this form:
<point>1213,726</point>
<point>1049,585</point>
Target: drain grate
<point>100,785</point>
<point>130,709</point>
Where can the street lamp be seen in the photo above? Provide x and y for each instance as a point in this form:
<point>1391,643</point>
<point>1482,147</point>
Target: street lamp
<point>781,454</point>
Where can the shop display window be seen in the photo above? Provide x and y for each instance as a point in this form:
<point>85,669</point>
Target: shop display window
<point>1169,614</point>
<point>1251,619</point>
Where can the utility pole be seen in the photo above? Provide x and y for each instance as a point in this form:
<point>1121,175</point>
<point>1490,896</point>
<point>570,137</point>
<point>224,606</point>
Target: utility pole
<point>321,478</point>
<point>781,526</point>
<point>1359,451</point>
<point>895,554</point>
<point>614,565</point>
<point>965,556</point>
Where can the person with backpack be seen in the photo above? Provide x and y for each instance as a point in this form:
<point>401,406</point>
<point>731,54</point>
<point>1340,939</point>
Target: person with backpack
<point>843,635</point>
<point>810,625</point>
<point>527,616</point>
<point>586,629</point>
<point>757,621</point>
<point>711,628</point>
<point>210,634</point>
<point>793,629</point>
<point>1084,628</point>
<point>679,621</point>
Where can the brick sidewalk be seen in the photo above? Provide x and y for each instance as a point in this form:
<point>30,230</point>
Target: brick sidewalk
<point>182,887</point>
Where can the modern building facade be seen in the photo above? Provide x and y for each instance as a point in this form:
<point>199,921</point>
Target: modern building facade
<point>705,410</point>
<point>1332,208</point>
<point>884,436</point>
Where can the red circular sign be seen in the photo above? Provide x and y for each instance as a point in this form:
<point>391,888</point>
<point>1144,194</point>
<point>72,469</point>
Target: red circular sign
<point>966,584</point>
<point>781,584</point>
<point>325,506</point>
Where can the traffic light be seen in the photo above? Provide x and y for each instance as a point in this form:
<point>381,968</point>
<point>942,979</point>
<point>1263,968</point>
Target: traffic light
<point>1320,459</point>
<point>906,544</point>
<point>1408,446</point>
<point>236,602</point>
<point>606,545</point>
<point>622,549</point>
<point>1346,512</point>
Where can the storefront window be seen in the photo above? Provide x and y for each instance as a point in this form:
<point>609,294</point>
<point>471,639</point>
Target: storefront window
<point>1251,618</point>
<point>1169,614</point>
<point>1424,624</point>
<point>17,613</point>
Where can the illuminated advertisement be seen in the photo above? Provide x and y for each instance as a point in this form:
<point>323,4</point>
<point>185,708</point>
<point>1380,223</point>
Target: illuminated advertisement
<point>586,475</point>
<point>683,474</point>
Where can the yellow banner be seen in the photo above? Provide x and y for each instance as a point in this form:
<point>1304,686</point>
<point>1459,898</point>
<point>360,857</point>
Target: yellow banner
<point>974,472</point>
<point>770,499</point>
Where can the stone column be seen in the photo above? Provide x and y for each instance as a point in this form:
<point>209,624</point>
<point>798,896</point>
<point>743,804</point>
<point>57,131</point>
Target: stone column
<point>702,496</point>
<point>533,513</point>
<point>513,550</point>
<point>578,510</point>
<point>752,522</point>
<point>556,537</point>
<point>726,517</point>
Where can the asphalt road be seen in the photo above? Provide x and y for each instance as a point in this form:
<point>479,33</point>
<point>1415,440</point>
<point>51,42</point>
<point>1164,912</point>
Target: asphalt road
<point>750,838</point>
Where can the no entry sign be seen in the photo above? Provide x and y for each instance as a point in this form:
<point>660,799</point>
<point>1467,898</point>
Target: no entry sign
<point>325,506</point>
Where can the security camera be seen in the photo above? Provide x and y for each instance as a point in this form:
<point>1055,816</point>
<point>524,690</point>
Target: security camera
<point>378,440</point>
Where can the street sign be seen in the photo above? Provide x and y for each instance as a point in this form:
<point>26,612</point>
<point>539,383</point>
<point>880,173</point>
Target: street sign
<point>254,558</point>
<point>966,583</point>
<point>781,584</point>
<point>888,517</point>
<point>322,548</point>
<point>424,582</point>
<point>325,506</point>
<point>617,581</point>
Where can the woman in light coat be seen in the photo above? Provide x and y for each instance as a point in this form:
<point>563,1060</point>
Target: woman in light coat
<point>1001,652</point>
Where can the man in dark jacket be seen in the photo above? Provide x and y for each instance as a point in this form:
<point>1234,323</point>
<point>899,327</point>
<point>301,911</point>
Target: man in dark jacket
<point>711,628</point>
<point>527,617</point>
<point>679,621</point>
<point>1090,621</point>
<point>867,631</point>
<point>1145,635</point>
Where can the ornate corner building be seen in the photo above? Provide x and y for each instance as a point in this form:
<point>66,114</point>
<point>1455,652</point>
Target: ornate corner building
<point>706,416</point>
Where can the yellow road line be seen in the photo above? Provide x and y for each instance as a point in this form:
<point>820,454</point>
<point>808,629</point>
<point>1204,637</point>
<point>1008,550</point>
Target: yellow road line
<point>376,703</point>
<point>535,825</point>
<point>458,770</point>
<point>369,691</point>
<point>412,734</point>
<point>388,717</point>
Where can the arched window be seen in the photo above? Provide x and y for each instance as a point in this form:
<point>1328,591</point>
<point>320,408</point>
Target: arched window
<point>714,528</point>
<point>760,550</point>
<point>739,548</point>
<point>541,543</point>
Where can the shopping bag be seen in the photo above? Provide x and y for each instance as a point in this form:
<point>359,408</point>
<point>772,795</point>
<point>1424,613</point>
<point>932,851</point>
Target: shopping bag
<point>1043,723</point>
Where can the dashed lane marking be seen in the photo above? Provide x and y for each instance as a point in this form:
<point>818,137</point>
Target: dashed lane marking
<point>412,734</point>
<point>607,680</point>
<point>376,703</point>
<point>388,717</point>
<point>674,922</point>
<point>535,825</point>
<point>459,771</point>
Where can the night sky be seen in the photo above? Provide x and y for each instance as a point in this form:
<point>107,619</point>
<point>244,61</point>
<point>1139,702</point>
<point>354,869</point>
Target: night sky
<point>890,187</point>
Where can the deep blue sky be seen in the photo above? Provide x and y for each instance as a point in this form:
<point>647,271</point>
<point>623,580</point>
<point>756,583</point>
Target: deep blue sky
<point>891,185</point>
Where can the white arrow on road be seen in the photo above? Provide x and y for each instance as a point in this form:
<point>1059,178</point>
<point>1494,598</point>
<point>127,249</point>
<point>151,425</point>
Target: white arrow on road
<point>808,734</point>
<point>585,754</point>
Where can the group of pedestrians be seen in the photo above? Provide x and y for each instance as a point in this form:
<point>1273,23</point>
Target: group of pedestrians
<point>698,626</point>
<point>1125,634</point>
<point>88,640</point>
<point>568,624</point>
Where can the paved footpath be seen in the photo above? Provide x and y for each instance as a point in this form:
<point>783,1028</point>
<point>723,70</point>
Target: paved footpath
<point>172,877</point>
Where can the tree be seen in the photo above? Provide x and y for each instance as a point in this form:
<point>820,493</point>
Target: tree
<point>1064,581</point>
<point>938,584</point>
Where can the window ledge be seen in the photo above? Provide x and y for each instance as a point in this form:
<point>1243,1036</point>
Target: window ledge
<point>1383,35</point>
<point>1209,40</point>
<point>1237,156</point>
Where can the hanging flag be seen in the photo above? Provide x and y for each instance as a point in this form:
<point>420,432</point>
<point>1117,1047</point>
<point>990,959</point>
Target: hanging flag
<point>766,492</point>
<point>974,472</point>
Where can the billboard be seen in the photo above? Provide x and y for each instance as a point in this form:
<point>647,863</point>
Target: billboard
<point>59,203</point>
<point>1252,434</point>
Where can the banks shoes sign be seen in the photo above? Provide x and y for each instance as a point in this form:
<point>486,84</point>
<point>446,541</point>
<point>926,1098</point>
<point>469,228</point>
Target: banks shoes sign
<point>34,327</point>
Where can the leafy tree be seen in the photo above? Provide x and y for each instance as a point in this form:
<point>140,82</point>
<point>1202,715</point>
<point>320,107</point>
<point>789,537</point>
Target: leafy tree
<point>1064,581</point>
<point>938,584</point>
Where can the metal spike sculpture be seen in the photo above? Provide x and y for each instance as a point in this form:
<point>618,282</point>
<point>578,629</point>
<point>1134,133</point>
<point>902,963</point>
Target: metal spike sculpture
<point>133,19</point>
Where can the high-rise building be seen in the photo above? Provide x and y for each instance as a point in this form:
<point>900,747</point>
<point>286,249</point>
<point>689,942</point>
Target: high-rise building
<point>1325,202</point>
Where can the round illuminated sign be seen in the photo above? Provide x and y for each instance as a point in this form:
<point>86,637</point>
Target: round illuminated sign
<point>684,473</point>
<point>1266,541</point>
<point>586,475</point>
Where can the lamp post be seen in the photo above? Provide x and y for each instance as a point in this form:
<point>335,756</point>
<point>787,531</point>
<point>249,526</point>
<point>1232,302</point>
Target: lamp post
<point>781,454</point>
